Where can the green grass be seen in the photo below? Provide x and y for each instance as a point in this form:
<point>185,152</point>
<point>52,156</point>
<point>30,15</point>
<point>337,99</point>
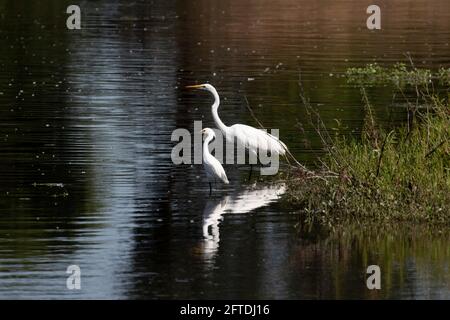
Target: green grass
<point>389,176</point>
<point>399,74</point>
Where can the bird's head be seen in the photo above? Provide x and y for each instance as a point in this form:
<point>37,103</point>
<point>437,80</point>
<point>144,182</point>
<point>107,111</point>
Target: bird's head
<point>206,132</point>
<point>204,86</point>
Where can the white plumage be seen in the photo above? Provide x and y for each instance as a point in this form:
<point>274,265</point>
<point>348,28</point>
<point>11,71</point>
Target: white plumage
<point>213,167</point>
<point>255,140</point>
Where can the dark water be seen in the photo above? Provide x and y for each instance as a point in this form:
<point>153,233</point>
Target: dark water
<point>85,123</point>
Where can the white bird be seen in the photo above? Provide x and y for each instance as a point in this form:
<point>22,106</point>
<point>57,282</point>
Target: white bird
<point>212,166</point>
<point>251,138</point>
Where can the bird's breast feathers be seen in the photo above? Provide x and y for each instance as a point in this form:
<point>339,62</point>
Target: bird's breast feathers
<point>214,168</point>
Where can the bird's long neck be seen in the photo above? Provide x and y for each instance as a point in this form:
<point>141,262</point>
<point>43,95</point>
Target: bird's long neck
<point>215,114</point>
<point>205,146</point>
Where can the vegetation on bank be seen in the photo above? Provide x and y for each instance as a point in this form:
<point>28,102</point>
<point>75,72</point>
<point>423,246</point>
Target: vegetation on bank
<point>394,175</point>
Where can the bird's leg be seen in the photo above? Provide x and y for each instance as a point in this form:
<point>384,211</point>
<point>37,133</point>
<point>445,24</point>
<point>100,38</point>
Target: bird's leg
<point>210,188</point>
<point>250,173</point>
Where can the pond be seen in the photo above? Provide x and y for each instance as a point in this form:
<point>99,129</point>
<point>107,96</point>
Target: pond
<point>86,118</point>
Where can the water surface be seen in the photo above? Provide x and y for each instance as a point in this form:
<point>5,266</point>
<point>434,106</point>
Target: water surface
<point>85,123</point>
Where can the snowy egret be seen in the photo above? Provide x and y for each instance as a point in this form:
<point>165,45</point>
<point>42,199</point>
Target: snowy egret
<point>213,168</point>
<point>251,138</point>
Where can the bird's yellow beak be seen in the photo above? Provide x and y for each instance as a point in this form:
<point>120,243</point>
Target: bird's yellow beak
<point>197,86</point>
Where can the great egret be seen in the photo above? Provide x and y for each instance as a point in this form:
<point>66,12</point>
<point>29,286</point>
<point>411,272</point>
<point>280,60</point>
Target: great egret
<point>251,138</point>
<point>212,166</point>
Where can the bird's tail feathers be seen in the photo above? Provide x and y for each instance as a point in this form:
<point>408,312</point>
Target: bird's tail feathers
<point>224,178</point>
<point>281,143</point>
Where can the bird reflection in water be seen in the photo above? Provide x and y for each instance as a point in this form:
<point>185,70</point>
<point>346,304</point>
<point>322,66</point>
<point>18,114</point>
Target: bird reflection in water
<point>244,201</point>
